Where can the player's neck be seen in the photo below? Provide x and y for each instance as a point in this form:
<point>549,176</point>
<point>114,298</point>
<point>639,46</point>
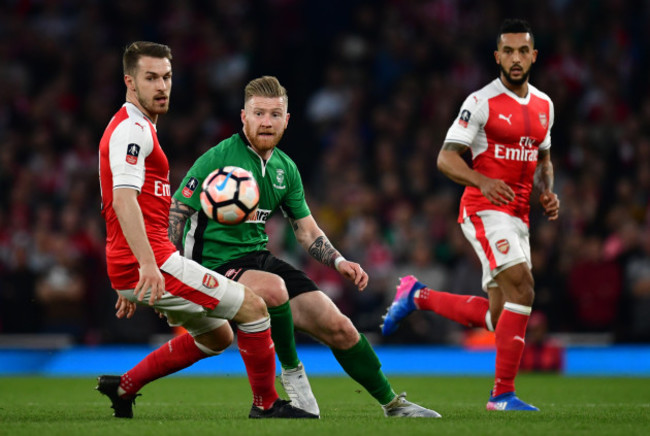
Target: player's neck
<point>519,90</point>
<point>134,101</point>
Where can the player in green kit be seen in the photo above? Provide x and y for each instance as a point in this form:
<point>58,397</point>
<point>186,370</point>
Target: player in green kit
<point>239,252</point>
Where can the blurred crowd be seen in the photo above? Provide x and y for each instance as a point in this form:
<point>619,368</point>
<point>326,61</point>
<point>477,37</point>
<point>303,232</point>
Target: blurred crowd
<point>373,87</point>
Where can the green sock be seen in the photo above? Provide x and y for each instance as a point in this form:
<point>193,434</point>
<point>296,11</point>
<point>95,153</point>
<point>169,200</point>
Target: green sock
<point>362,364</point>
<point>283,335</point>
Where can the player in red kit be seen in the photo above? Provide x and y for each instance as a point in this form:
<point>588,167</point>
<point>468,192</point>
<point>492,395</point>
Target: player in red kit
<point>507,126</point>
<point>144,266</point>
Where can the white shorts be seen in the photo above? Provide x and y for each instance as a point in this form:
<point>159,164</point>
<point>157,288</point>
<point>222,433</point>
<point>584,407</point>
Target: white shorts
<point>500,241</point>
<point>195,297</point>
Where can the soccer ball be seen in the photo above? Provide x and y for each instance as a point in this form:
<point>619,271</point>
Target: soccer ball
<point>230,195</point>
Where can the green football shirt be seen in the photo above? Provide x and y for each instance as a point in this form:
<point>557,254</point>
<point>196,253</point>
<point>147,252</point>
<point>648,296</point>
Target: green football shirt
<point>213,244</point>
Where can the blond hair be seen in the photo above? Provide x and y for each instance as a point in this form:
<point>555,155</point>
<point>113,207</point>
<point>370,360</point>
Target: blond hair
<point>265,86</point>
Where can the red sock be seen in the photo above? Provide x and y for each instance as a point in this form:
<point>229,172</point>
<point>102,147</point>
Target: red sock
<point>178,353</point>
<point>258,352</point>
<point>509,335</point>
<point>469,310</point>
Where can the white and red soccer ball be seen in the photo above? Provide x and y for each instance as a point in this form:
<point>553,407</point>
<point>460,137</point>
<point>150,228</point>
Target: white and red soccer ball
<point>230,195</point>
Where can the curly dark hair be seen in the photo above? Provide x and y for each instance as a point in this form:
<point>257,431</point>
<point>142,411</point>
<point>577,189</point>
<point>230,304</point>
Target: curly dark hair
<point>515,25</point>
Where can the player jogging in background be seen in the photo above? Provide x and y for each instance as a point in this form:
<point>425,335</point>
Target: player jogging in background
<point>145,267</point>
<point>240,253</point>
<point>507,127</point>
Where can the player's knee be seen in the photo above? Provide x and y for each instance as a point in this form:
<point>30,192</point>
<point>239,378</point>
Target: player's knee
<point>518,285</point>
<point>526,290</point>
<point>341,333</point>
<point>529,295</point>
<point>524,295</point>
<point>252,309</point>
<point>215,341</point>
<point>273,291</point>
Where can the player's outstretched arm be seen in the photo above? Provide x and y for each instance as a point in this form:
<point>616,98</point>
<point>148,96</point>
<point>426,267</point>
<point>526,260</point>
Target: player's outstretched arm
<point>179,213</point>
<point>314,240</point>
<point>127,209</point>
<point>452,165</point>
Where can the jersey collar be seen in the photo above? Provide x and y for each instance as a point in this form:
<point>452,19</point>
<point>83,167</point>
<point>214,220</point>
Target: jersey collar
<point>263,162</point>
<point>244,139</point>
<point>504,88</point>
<point>140,112</point>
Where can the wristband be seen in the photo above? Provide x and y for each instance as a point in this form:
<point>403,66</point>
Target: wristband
<point>337,261</point>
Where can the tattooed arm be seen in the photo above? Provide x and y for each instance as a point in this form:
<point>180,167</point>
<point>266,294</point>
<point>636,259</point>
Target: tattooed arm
<point>314,240</point>
<point>544,171</point>
<point>544,182</point>
<point>178,215</point>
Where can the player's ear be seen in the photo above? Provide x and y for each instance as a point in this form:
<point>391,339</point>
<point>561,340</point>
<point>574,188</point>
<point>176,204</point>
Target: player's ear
<point>129,82</point>
<point>242,115</point>
<point>286,121</point>
<point>534,55</point>
<point>496,57</point>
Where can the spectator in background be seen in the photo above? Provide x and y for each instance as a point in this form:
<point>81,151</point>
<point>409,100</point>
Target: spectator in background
<point>61,291</point>
<point>594,285</point>
<point>19,311</point>
<point>637,291</point>
<point>330,102</point>
<point>541,353</point>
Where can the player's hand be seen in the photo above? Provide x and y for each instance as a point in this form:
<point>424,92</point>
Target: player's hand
<point>353,271</point>
<point>551,204</point>
<point>497,191</point>
<point>152,280</point>
<point>124,307</point>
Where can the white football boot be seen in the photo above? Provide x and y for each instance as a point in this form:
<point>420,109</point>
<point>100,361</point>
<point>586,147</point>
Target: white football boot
<point>400,407</point>
<point>296,385</point>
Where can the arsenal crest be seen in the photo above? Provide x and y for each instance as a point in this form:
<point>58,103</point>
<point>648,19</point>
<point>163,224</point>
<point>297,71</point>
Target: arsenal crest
<point>210,281</point>
<point>543,120</point>
<point>503,246</point>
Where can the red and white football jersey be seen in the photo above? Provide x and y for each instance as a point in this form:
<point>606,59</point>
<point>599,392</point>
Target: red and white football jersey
<point>505,133</point>
<point>131,157</point>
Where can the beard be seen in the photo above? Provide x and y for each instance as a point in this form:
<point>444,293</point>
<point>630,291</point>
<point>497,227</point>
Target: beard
<point>516,82</point>
<point>153,107</point>
<point>262,143</point>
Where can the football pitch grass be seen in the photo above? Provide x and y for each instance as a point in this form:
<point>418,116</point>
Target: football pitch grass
<point>188,405</point>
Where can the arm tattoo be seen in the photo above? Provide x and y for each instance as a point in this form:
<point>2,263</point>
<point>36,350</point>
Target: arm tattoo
<point>294,224</point>
<point>544,172</point>
<point>178,215</point>
<point>321,250</point>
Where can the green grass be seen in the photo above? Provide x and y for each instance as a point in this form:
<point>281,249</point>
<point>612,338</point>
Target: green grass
<point>219,406</point>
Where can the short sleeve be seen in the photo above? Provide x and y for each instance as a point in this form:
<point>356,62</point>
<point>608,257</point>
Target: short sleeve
<point>546,143</point>
<point>472,117</point>
<point>294,204</point>
<point>129,146</point>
